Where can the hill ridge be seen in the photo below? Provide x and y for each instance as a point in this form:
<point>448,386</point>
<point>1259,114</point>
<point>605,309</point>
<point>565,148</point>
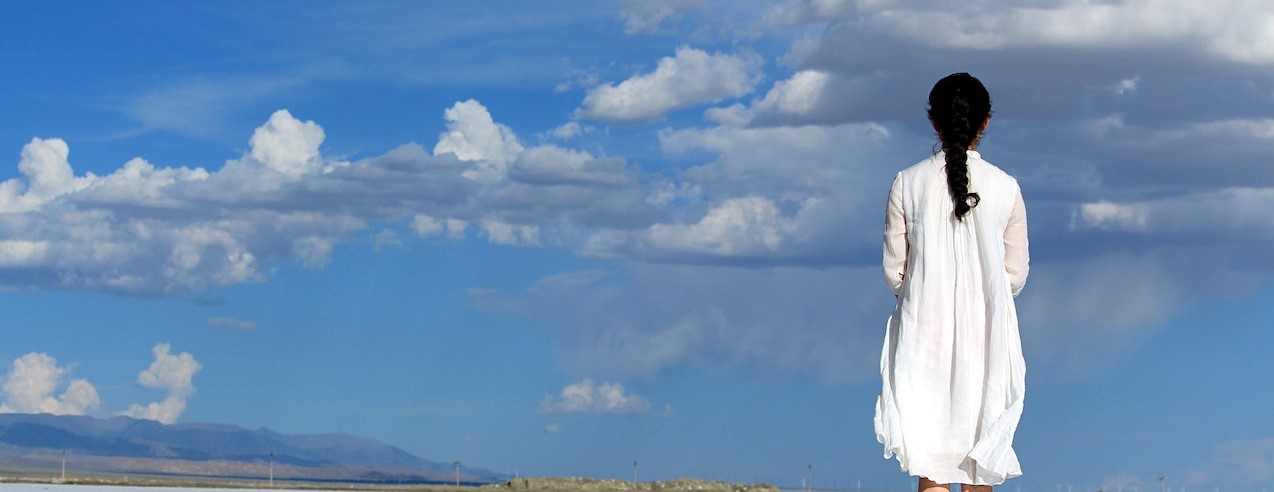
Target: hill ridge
<point>117,441</point>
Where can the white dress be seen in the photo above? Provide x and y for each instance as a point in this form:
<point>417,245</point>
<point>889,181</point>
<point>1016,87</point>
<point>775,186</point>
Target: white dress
<point>952,367</point>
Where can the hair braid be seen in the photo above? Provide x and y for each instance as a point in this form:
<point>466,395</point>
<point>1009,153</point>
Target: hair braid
<point>958,104</point>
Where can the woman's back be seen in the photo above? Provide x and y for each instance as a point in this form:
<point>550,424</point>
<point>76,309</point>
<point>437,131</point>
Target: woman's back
<point>935,239</point>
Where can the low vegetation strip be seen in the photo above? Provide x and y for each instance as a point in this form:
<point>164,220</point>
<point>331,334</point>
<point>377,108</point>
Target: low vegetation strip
<point>614,485</point>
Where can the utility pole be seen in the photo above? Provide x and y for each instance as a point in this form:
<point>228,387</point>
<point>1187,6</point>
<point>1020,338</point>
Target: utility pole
<point>1163,484</point>
<point>634,473</point>
<point>457,463</point>
<point>809,478</point>
<point>271,469</point>
<point>63,466</point>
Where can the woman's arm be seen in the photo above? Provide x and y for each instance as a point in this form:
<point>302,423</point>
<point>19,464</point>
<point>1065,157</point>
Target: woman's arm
<point>1017,257</point>
<point>895,244</point>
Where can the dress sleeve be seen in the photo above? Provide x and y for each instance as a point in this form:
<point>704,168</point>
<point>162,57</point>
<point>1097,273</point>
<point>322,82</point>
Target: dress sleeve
<point>1017,257</point>
<point>895,244</point>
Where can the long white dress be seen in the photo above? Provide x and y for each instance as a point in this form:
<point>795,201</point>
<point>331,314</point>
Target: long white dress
<point>952,368</point>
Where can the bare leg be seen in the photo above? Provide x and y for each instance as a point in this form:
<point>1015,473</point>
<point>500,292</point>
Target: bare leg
<point>974,488</point>
<point>927,485</point>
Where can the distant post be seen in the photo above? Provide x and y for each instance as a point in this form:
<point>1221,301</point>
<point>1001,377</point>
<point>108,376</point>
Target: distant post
<point>457,463</point>
<point>634,473</point>
<point>1163,484</point>
<point>271,469</point>
<point>809,478</point>
<point>63,466</point>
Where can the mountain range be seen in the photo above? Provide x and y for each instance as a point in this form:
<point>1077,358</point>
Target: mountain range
<point>128,445</point>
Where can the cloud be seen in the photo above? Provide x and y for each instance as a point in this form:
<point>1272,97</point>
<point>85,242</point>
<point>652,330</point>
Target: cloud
<point>1126,86</point>
<point>33,379</point>
<point>288,145</point>
<point>799,95</point>
<point>552,428</point>
<point>426,226</point>
<point>797,12</point>
<point>647,15</point>
<point>586,397</point>
<point>386,239</point>
<point>1107,215</point>
<point>472,135</point>
<point>569,130</point>
<point>688,78</point>
<point>736,228</point>
<point>549,165</point>
<point>172,373</point>
<point>47,175</point>
<point>511,235</point>
<point>232,324</point>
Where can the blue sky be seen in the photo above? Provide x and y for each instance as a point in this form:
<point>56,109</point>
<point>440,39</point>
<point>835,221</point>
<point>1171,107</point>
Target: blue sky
<point>554,238</point>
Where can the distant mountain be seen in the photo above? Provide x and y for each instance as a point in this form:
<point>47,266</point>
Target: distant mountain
<point>126,444</point>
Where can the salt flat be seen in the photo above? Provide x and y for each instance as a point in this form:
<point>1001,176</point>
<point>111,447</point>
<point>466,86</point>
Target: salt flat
<point>48,487</point>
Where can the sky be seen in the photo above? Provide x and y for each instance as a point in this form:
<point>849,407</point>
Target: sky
<point>558,238</point>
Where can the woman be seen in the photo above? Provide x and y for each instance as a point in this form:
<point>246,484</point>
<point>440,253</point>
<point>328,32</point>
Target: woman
<point>955,255</point>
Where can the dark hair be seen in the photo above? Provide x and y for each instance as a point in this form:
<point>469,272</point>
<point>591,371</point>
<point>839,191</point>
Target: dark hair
<point>958,104</point>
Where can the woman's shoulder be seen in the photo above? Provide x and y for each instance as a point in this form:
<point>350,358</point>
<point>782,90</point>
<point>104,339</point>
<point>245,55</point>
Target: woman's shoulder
<point>981,166</point>
<point>929,165</point>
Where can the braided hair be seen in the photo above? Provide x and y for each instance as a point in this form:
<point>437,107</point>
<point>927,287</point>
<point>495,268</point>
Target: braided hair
<point>958,105</point>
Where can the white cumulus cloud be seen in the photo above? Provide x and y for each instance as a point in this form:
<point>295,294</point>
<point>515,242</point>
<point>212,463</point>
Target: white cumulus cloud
<point>172,373</point>
<point>288,145</point>
<point>588,397</point>
<point>473,135</point>
<point>33,379</point>
<point>688,78</point>
<point>47,174</point>
<point>799,95</point>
